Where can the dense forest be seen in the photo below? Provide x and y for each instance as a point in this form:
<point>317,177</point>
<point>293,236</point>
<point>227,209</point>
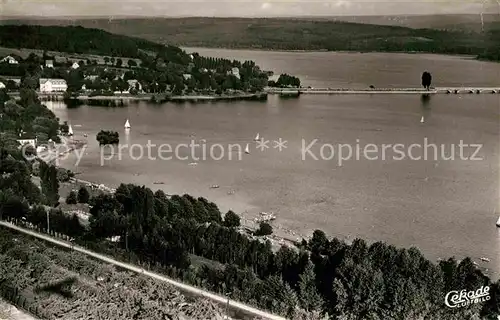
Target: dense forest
<point>74,39</point>
<point>191,239</point>
<point>301,34</point>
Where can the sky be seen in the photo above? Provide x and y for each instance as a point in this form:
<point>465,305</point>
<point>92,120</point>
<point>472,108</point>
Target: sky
<point>241,8</point>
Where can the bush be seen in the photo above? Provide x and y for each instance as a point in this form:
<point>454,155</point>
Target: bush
<point>72,198</point>
<point>108,137</point>
<point>265,229</point>
<point>83,195</point>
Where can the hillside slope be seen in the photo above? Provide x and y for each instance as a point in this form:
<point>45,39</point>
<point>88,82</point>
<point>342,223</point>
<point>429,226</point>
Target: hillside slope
<point>289,34</point>
<point>74,39</point>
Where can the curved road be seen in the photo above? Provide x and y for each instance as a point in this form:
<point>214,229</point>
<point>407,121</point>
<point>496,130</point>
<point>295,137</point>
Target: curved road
<point>182,286</point>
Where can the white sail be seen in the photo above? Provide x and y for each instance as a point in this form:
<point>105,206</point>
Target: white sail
<point>127,125</point>
<point>70,131</point>
<point>257,137</point>
<point>247,149</point>
<point>422,120</point>
<point>498,222</point>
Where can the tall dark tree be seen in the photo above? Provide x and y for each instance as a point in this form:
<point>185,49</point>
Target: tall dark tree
<point>231,219</point>
<point>426,80</point>
<point>83,195</point>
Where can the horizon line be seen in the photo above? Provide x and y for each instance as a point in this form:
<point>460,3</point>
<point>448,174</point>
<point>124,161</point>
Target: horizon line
<point>125,16</point>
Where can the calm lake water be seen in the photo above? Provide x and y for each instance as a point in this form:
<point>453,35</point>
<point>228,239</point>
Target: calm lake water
<point>443,207</point>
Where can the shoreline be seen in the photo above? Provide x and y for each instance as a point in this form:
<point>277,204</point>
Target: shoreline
<point>280,236</point>
<point>464,56</point>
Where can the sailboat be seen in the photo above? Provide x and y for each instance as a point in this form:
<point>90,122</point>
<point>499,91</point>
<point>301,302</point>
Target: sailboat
<point>127,125</point>
<point>70,131</point>
<point>422,120</point>
<point>257,137</point>
<point>498,222</point>
<point>247,149</point>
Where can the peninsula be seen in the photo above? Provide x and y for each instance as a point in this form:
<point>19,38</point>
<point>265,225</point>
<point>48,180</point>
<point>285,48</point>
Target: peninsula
<point>85,63</point>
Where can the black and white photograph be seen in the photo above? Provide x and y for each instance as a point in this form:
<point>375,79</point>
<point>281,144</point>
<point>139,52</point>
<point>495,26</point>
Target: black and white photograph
<point>250,160</point>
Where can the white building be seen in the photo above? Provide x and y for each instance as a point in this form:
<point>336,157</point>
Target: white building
<point>134,84</point>
<point>23,142</point>
<point>10,60</point>
<point>2,85</point>
<point>53,85</point>
<point>75,65</point>
<point>49,63</point>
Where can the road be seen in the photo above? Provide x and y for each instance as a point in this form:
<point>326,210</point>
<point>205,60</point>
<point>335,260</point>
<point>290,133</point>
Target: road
<point>183,287</point>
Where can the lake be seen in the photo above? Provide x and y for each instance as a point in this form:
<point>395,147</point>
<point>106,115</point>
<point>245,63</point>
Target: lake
<point>445,207</point>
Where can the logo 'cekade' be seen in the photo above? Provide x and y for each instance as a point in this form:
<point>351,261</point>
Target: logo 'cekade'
<point>455,299</point>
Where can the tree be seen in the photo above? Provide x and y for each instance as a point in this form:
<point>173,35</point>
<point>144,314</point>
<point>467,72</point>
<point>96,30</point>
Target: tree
<point>106,60</point>
<point>231,220</point>
<point>83,195</point>
<point>107,137</point>
<point>119,63</point>
<point>309,297</point>
<point>426,80</point>
<point>265,229</point>
<point>72,198</point>
<point>49,183</point>
<point>319,242</point>
<point>75,81</point>
<point>131,63</point>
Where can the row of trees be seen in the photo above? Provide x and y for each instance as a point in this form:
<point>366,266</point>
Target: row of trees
<point>324,276</point>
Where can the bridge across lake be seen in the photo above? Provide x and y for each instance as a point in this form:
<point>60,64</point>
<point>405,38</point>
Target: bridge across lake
<point>437,90</point>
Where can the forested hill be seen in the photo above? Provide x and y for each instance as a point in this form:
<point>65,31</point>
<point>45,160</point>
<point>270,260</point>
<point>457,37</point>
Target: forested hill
<point>75,39</point>
<point>295,34</point>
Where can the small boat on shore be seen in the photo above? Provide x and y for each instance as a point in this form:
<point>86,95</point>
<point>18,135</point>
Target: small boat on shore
<point>485,259</point>
<point>247,149</point>
<point>422,120</point>
<point>70,131</point>
<point>127,124</point>
<point>215,186</point>
<point>498,222</point>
